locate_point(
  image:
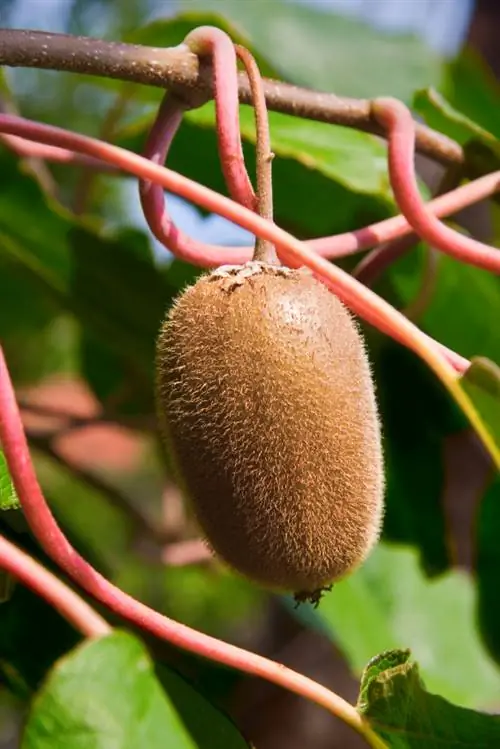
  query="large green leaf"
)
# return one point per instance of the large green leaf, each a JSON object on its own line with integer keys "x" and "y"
{"x": 442, "y": 116}
{"x": 471, "y": 293}
{"x": 328, "y": 51}
{"x": 116, "y": 277}
{"x": 36, "y": 340}
{"x": 388, "y": 603}
{"x": 105, "y": 694}
{"x": 471, "y": 87}
{"x": 401, "y": 710}
{"x": 466, "y": 109}
{"x": 482, "y": 383}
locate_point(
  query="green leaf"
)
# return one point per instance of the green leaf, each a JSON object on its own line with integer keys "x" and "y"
{"x": 481, "y": 382}
{"x": 388, "y": 603}
{"x": 442, "y": 116}
{"x": 329, "y": 51}
{"x": 472, "y": 293}
{"x": 105, "y": 694}
{"x": 35, "y": 339}
{"x": 8, "y": 497}
{"x": 466, "y": 111}
{"x": 121, "y": 298}
{"x": 471, "y": 87}
{"x": 400, "y": 709}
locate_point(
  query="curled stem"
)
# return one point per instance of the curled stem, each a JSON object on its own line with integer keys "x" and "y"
{"x": 341, "y": 245}
{"x": 42, "y": 582}
{"x": 264, "y": 250}
{"x": 154, "y": 203}
{"x": 56, "y": 545}
{"x": 208, "y": 40}
{"x": 396, "y": 117}
{"x": 371, "y": 267}
{"x": 361, "y": 300}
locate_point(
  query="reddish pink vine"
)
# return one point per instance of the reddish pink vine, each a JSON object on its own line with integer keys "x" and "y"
{"x": 401, "y": 130}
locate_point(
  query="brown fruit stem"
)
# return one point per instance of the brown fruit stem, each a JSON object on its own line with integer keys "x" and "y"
{"x": 264, "y": 250}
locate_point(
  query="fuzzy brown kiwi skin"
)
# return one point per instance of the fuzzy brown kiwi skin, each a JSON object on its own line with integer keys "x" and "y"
{"x": 266, "y": 402}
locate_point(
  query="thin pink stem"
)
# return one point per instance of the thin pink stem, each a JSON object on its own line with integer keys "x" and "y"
{"x": 341, "y": 245}
{"x": 396, "y": 117}
{"x": 208, "y": 40}
{"x": 205, "y": 255}
{"x": 459, "y": 363}
{"x": 154, "y": 203}
{"x": 42, "y": 582}
{"x": 55, "y": 544}
{"x": 361, "y": 300}
{"x": 155, "y": 210}
{"x": 371, "y": 267}
{"x": 30, "y": 149}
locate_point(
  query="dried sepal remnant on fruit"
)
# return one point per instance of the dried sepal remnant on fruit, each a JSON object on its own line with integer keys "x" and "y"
{"x": 267, "y": 404}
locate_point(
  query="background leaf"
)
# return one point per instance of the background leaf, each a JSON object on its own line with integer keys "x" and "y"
{"x": 407, "y": 716}
{"x": 388, "y": 603}
{"x": 482, "y": 383}
{"x": 105, "y": 693}
{"x": 327, "y": 51}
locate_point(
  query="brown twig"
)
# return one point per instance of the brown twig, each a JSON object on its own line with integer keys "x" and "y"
{"x": 180, "y": 69}
{"x": 264, "y": 250}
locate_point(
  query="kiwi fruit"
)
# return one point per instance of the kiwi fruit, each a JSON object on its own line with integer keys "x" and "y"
{"x": 267, "y": 406}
